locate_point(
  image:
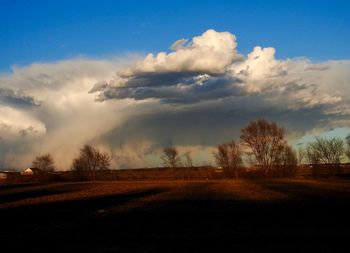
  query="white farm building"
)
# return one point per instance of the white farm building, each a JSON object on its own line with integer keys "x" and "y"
{"x": 29, "y": 172}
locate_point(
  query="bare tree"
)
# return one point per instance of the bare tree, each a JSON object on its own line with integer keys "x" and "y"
{"x": 347, "y": 152}
{"x": 229, "y": 157}
{"x": 44, "y": 163}
{"x": 286, "y": 161}
{"x": 301, "y": 155}
{"x": 263, "y": 141}
{"x": 91, "y": 160}
{"x": 188, "y": 160}
{"x": 312, "y": 156}
{"x": 325, "y": 151}
{"x": 170, "y": 157}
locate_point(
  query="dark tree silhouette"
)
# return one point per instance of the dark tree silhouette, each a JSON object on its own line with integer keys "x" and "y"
{"x": 286, "y": 161}
{"x": 170, "y": 157}
{"x": 91, "y": 160}
{"x": 347, "y": 152}
{"x": 228, "y": 156}
{"x": 301, "y": 155}
{"x": 44, "y": 163}
{"x": 263, "y": 141}
{"x": 325, "y": 151}
{"x": 188, "y": 160}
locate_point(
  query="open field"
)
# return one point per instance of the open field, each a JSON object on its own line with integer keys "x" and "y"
{"x": 284, "y": 215}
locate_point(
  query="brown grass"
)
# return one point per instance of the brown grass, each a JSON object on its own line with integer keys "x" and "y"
{"x": 275, "y": 215}
{"x": 245, "y": 190}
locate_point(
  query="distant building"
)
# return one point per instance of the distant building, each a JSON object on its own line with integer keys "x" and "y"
{"x": 219, "y": 169}
{"x": 8, "y": 175}
{"x": 31, "y": 172}
{"x": 3, "y": 175}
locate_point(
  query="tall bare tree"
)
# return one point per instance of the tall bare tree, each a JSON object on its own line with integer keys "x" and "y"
{"x": 347, "y": 152}
{"x": 91, "y": 160}
{"x": 44, "y": 163}
{"x": 325, "y": 151}
{"x": 263, "y": 141}
{"x": 301, "y": 155}
{"x": 229, "y": 157}
{"x": 188, "y": 160}
{"x": 286, "y": 161}
{"x": 171, "y": 157}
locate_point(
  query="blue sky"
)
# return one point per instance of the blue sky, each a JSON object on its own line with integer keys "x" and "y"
{"x": 34, "y": 30}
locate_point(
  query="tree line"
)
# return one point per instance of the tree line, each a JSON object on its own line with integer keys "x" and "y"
{"x": 263, "y": 143}
{"x": 265, "y": 146}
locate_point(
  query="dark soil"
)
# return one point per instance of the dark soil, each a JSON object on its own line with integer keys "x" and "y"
{"x": 196, "y": 216}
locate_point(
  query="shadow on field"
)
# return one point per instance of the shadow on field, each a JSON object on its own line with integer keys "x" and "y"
{"x": 182, "y": 224}
{"x": 17, "y": 186}
{"x": 36, "y": 190}
{"x": 304, "y": 191}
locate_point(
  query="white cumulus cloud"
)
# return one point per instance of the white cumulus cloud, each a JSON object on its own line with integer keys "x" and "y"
{"x": 210, "y": 52}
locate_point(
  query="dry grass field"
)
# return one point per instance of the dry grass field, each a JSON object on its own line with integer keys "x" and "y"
{"x": 284, "y": 215}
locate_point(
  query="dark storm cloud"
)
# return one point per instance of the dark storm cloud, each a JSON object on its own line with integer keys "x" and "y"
{"x": 212, "y": 123}
{"x": 174, "y": 88}
{"x": 17, "y": 98}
